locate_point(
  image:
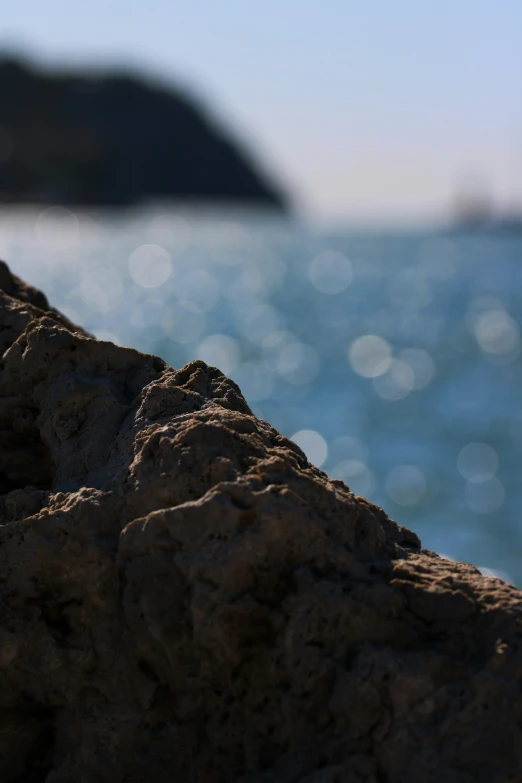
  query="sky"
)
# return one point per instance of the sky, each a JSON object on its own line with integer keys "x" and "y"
{"x": 374, "y": 110}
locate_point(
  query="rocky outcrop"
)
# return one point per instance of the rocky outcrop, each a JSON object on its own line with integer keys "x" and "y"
{"x": 184, "y": 597}
{"x": 114, "y": 139}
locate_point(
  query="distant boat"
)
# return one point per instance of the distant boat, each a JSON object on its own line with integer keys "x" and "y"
{"x": 475, "y": 212}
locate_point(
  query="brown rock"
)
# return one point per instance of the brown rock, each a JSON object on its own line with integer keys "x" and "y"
{"x": 185, "y": 598}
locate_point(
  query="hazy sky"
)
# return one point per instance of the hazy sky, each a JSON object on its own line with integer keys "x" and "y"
{"x": 362, "y": 108}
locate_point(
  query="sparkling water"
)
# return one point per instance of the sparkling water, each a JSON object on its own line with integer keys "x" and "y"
{"x": 392, "y": 359}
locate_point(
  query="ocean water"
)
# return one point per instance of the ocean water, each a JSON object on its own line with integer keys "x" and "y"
{"x": 394, "y": 359}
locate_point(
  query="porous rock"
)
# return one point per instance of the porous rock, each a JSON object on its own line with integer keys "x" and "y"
{"x": 185, "y": 598}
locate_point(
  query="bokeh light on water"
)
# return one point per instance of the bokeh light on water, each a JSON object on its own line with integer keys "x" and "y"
{"x": 478, "y": 462}
{"x": 330, "y": 272}
{"x": 393, "y": 360}
{"x": 370, "y": 356}
{"x": 313, "y": 445}
{"x": 150, "y": 266}
{"x": 406, "y": 485}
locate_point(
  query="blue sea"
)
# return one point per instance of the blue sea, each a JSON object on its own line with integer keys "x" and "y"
{"x": 393, "y": 358}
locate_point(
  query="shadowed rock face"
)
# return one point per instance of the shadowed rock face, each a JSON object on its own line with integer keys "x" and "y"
{"x": 184, "y": 597}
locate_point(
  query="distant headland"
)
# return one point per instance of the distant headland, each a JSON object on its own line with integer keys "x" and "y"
{"x": 114, "y": 139}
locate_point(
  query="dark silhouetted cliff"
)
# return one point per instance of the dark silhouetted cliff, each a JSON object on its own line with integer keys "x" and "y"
{"x": 112, "y": 139}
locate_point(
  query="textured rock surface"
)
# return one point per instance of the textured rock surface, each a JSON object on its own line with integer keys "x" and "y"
{"x": 185, "y": 598}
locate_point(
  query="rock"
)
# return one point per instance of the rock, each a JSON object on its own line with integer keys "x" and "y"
{"x": 185, "y": 598}
{"x": 92, "y": 138}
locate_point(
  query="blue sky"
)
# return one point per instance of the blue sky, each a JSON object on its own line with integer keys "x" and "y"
{"x": 374, "y": 109}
